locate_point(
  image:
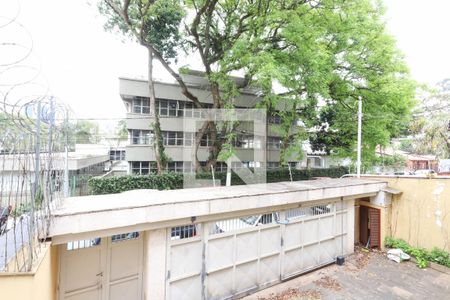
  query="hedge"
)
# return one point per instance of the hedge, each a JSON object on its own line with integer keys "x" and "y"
{"x": 168, "y": 181}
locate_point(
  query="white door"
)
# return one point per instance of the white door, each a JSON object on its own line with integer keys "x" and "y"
{"x": 102, "y": 269}
{"x": 81, "y": 270}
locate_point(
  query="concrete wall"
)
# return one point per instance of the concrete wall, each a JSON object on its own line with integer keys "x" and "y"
{"x": 39, "y": 284}
{"x": 421, "y": 214}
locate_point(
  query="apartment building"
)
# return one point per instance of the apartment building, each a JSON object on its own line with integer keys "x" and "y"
{"x": 172, "y": 107}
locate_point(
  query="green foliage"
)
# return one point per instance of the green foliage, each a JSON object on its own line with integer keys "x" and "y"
{"x": 86, "y": 132}
{"x": 154, "y": 23}
{"x": 167, "y": 181}
{"x": 440, "y": 256}
{"x": 421, "y": 255}
{"x": 21, "y": 209}
{"x": 430, "y": 127}
{"x": 395, "y": 161}
{"x": 113, "y": 185}
{"x": 121, "y": 130}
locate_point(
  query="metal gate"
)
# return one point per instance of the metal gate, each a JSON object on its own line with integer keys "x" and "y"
{"x": 102, "y": 268}
{"x": 227, "y": 258}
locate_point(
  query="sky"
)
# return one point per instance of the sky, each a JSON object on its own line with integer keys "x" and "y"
{"x": 80, "y": 63}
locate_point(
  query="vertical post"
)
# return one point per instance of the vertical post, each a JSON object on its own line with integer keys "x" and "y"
{"x": 37, "y": 171}
{"x": 358, "y": 163}
{"x": 213, "y": 177}
{"x": 228, "y": 180}
{"x": 66, "y": 157}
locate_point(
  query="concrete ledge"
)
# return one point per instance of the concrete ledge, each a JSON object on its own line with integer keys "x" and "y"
{"x": 149, "y": 209}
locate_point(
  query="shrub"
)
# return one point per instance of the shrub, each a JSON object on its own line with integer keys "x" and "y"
{"x": 440, "y": 256}
{"x": 167, "y": 181}
{"x": 421, "y": 255}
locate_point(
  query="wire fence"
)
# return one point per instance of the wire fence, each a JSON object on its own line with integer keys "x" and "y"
{"x": 32, "y": 143}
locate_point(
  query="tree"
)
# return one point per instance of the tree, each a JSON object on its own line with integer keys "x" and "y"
{"x": 86, "y": 132}
{"x": 324, "y": 54}
{"x": 154, "y": 24}
{"x": 431, "y": 124}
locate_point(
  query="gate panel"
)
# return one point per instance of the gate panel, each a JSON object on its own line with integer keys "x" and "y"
{"x": 125, "y": 255}
{"x": 81, "y": 270}
{"x": 184, "y": 260}
{"x": 237, "y": 255}
{"x": 102, "y": 269}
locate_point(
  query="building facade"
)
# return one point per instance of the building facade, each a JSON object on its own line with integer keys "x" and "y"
{"x": 172, "y": 107}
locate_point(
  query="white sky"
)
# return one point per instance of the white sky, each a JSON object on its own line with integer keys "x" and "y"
{"x": 81, "y": 62}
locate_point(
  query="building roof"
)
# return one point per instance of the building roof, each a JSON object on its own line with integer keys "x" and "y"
{"x": 80, "y": 215}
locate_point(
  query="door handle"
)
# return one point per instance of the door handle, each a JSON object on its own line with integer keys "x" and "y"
{"x": 99, "y": 274}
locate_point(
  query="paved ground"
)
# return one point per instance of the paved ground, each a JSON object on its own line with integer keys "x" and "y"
{"x": 364, "y": 276}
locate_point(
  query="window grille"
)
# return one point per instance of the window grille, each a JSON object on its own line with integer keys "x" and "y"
{"x": 303, "y": 212}
{"x": 184, "y": 232}
{"x": 81, "y": 244}
{"x": 234, "y": 224}
{"x": 124, "y": 236}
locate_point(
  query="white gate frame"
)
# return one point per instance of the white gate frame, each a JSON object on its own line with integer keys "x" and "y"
{"x": 338, "y": 236}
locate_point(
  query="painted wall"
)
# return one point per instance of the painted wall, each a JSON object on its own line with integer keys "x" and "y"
{"x": 40, "y": 284}
{"x": 421, "y": 214}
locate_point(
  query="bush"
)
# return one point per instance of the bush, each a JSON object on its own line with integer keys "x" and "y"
{"x": 440, "y": 256}
{"x": 168, "y": 181}
{"x": 114, "y": 185}
{"x": 421, "y": 255}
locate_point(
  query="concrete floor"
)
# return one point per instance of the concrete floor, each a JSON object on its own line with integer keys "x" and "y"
{"x": 364, "y": 276}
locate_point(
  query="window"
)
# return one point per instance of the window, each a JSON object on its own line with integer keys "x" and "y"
{"x": 245, "y": 164}
{"x": 172, "y": 138}
{"x": 169, "y": 108}
{"x": 141, "y": 137}
{"x": 273, "y": 143}
{"x": 188, "y": 109}
{"x": 143, "y": 167}
{"x": 117, "y": 154}
{"x": 273, "y": 165}
{"x": 292, "y": 164}
{"x": 124, "y": 236}
{"x": 188, "y": 167}
{"x": 314, "y": 162}
{"x": 75, "y": 245}
{"x": 189, "y": 139}
{"x": 274, "y": 119}
{"x": 206, "y": 141}
{"x": 221, "y": 166}
{"x": 175, "y": 166}
{"x": 248, "y": 142}
{"x": 183, "y": 232}
{"x": 141, "y": 105}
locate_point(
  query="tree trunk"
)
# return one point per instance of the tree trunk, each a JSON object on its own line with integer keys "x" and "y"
{"x": 157, "y": 143}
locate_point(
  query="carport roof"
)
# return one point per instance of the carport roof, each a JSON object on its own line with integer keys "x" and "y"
{"x": 85, "y": 214}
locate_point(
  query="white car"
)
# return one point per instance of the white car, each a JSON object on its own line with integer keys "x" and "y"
{"x": 424, "y": 172}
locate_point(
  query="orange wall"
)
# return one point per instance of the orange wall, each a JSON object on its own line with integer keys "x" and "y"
{"x": 421, "y": 214}
{"x": 39, "y": 284}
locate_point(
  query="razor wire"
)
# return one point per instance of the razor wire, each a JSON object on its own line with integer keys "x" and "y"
{"x": 33, "y": 136}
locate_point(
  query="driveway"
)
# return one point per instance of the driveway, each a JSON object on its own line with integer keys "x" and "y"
{"x": 363, "y": 276}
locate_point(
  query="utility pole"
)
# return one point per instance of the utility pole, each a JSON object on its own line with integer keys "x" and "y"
{"x": 66, "y": 156}
{"x": 358, "y": 163}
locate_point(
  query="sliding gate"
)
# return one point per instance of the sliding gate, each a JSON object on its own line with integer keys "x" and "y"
{"x": 228, "y": 258}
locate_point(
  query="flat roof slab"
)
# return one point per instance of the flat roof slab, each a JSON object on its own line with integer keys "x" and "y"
{"x": 79, "y": 215}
